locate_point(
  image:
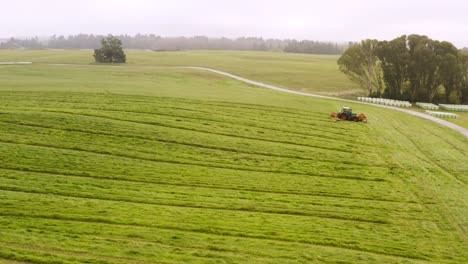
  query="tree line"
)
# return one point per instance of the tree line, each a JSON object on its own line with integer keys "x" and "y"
{"x": 154, "y": 42}
{"x": 314, "y": 47}
{"x": 414, "y": 68}
{"x": 12, "y": 43}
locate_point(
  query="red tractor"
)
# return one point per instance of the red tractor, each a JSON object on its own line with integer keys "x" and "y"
{"x": 346, "y": 114}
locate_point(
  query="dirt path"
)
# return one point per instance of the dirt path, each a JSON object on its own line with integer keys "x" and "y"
{"x": 442, "y": 122}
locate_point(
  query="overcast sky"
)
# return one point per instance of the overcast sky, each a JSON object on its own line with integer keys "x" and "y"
{"x": 328, "y": 20}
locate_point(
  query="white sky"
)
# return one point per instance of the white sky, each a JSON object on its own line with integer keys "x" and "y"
{"x": 329, "y": 20}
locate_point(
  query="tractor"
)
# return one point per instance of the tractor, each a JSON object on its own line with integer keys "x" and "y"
{"x": 346, "y": 114}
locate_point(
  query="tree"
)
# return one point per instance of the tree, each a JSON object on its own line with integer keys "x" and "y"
{"x": 394, "y": 59}
{"x": 13, "y": 43}
{"x": 451, "y": 70}
{"x": 423, "y": 68}
{"x": 463, "y": 60}
{"x": 313, "y": 47}
{"x": 411, "y": 67}
{"x": 361, "y": 65}
{"x": 432, "y": 64}
{"x": 111, "y": 51}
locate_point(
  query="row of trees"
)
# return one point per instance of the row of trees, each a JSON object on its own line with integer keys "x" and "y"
{"x": 13, "y": 43}
{"x": 314, "y": 47}
{"x": 414, "y": 68}
{"x": 153, "y": 42}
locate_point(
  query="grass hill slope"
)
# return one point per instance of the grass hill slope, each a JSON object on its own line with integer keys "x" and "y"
{"x": 303, "y": 72}
{"x": 120, "y": 165}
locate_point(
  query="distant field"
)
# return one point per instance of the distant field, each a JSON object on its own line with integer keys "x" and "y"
{"x": 122, "y": 165}
{"x": 310, "y": 73}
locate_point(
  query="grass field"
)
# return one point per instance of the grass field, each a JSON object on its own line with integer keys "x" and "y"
{"x": 125, "y": 165}
{"x": 310, "y": 73}
{"x": 462, "y": 119}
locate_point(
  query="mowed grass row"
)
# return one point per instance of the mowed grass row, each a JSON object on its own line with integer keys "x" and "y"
{"x": 159, "y": 171}
{"x": 209, "y": 170}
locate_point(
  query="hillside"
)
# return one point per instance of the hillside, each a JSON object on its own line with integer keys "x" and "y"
{"x": 310, "y": 73}
{"x": 125, "y": 165}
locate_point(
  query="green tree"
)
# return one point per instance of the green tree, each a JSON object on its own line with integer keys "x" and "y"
{"x": 111, "y": 51}
{"x": 411, "y": 67}
{"x": 423, "y": 68}
{"x": 432, "y": 64}
{"x": 463, "y": 62}
{"x": 394, "y": 60}
{"x": 361, "y": 65}
{"x": 451, "y": 71}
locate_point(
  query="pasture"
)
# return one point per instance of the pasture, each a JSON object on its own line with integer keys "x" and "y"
{"x": 139, "y": 165}
{"x": 302, "y": 72}
{"x": 308, "y": 73}
{"x": 462, "y": 119}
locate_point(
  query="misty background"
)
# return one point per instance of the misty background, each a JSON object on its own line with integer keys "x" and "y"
{"x": 332, "y": 21}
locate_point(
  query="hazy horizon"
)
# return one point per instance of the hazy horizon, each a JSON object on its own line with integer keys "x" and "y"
{"x": 334, "y": 21}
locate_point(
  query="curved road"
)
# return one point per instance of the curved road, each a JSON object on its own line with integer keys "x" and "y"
{"x": 453, "y": 126}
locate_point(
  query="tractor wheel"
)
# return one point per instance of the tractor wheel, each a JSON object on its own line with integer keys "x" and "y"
{"x": 344, "y": 117}
{"x": 355, "y": 118}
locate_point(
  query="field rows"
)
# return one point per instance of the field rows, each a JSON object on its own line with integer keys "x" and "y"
{"x": 129, "y": 179}
{"x": 164, "y": 244}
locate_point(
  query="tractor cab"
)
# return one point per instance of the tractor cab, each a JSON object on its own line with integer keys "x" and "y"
{"x": 346, "y": 109}
{"x": 346, "y": 114}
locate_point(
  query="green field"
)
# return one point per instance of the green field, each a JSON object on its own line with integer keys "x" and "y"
{"x": 310, "y": 73}
{"x": 462, "y": 119}
{"x": 137, "y": 165}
